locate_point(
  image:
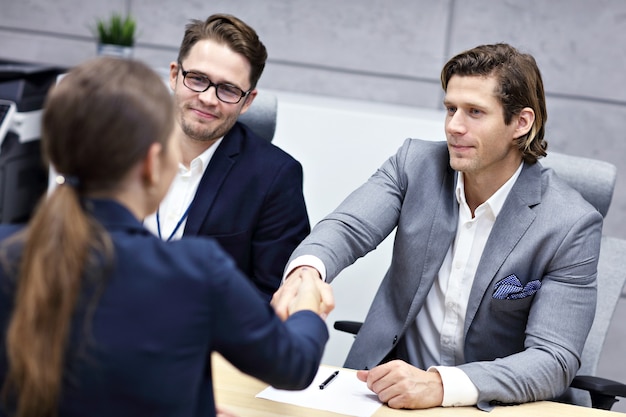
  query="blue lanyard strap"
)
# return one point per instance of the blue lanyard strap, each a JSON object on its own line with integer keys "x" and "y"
{"x": 182, "y": 219}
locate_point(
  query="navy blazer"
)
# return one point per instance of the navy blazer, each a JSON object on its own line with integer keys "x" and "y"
{"x": 250, "y": 200}
{"x": 164, "y": 308}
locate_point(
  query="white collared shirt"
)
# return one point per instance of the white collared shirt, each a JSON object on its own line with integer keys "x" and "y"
{"x": 173, "y": 208}
{"x": 441, "y": 321}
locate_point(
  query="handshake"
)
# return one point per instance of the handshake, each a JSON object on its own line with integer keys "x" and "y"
{"x": 303, "y": 289}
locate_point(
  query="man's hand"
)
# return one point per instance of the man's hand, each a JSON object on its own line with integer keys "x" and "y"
{"x": 401, "y": 385}
{"x": 301, "y": 282}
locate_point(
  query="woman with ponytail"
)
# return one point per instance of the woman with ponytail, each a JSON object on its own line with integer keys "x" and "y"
{"x": 98, "y": 316}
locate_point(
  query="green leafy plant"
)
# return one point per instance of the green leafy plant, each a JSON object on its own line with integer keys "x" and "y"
{"x": 116, "y": 30}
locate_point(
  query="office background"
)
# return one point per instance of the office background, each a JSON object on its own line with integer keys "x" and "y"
{"x": 387, "y": 52}
{"x": 381, "y": 50}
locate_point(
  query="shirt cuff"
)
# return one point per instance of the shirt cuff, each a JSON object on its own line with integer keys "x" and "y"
{"x": 307, "y": 260}
{"x": 458, "y": 389}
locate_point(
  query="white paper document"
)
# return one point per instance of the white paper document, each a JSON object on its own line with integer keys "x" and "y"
{"x": 344, "y": 395}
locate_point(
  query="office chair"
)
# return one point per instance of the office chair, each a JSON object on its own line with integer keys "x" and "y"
{"x": 611, "y": 278}
{"x": 261, "y": 116}
{"x": 595, "y": 181}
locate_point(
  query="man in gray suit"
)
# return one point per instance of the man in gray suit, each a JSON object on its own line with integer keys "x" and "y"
{"x": 491, "y": 289}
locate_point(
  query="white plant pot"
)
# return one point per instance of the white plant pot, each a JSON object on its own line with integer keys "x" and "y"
{"x": 115, "y": 50}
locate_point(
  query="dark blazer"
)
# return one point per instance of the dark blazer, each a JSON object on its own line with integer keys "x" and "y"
{"x": 164, "y": 308}
{"x": 516, "y": 350}
{"x": 250, "y": 200}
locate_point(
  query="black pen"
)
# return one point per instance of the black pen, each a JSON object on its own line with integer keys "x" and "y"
{"x": 329, "y": 380}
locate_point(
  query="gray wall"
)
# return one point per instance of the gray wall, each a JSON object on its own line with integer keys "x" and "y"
{"x": 388, "y": 51}
{"x": 381, "y": 50}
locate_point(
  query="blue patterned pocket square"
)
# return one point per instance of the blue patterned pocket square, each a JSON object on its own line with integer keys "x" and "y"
{"x": 510, "y": 288}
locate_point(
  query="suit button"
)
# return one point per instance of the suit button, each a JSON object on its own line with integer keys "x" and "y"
{"x": 395, "y": 339}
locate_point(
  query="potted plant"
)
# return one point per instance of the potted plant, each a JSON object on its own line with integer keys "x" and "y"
{"x": 116, "y": 35}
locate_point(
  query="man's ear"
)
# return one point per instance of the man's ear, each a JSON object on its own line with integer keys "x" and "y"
{"x": 249, "y": 99}
{"x": 525, "y": 121}
{"x": 151, "y": 170}
{"x": 173, "y": 75}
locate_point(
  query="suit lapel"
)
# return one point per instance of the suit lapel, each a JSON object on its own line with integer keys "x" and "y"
{"x": 512, "y": 223}
{"x": 440, "y": 237}
{"x": 215, "y": 174}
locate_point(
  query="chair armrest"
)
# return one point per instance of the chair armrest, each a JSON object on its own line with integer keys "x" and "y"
{"x": 351, "y": 327}
{"x": 602, "y": 391}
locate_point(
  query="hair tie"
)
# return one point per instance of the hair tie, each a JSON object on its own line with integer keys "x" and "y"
{"x": 70, "y": 180}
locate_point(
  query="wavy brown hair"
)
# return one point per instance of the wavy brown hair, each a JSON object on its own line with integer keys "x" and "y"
{"x": 98, "y": 123}
{"x": 520, "y": 86}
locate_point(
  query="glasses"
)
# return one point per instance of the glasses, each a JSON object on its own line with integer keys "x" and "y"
{"x": 200, "y": 83}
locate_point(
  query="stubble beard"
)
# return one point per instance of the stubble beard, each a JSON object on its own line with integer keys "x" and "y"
{"x": 197, "y": 134}
{"x": 468, "y": 165}
{"x": 200, "y": 133}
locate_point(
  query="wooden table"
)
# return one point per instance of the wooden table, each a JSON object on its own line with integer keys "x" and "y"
{"x": 236, "y": 391}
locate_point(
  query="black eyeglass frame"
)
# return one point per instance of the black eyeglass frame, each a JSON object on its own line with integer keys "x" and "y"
{"x": 217, "y": 86}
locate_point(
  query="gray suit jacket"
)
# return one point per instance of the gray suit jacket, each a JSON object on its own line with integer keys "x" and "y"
{"x": 515, "y": 350}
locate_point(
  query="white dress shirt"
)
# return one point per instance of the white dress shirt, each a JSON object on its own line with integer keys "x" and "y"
{"x": 172, "y": 211}
{"x": 440, "y": 340}
{"x": 439, "y": 325}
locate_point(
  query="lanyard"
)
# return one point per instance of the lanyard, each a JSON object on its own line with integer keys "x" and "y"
{"x": 182, "y": 219}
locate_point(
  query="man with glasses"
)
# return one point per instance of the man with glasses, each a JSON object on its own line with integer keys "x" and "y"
{"x": 231, "y": 185}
